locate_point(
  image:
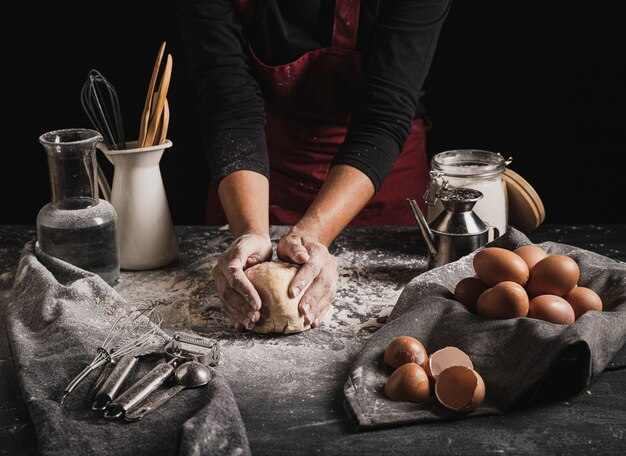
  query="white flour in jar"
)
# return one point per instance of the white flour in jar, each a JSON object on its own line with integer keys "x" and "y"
{"x": 492, "y": 208}
{"x": 478, "y": 170}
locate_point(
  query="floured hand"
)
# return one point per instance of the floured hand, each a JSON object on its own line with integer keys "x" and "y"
{"x": 239, "y": 298}
{"x": 319, "y": 269}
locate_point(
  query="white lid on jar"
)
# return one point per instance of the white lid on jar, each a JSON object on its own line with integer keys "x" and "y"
{"x": 469, "y": 163}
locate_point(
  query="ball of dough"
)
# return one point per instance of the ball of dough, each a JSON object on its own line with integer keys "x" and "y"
{"x": 279, "y": 312}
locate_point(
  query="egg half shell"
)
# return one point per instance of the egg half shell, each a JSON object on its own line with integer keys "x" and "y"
{"x": 460, "y": 388}
{"x": 443, "y": 359}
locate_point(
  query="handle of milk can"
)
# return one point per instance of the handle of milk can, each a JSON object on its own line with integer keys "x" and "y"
{"x": 496, "y": 232}
{"x": 103, "y": 182}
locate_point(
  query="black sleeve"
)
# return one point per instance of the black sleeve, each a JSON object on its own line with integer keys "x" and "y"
{"x": 229, "y": 97}
{"x": 402, "y": 46}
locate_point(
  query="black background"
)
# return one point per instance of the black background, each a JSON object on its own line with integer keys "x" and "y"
{"x": 540, "y": 81}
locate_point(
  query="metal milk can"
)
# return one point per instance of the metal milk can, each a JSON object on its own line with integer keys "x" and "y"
{"x": 455, "y": 232}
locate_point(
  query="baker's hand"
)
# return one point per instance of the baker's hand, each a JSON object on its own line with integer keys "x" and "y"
{"x": 240, "y": 300}
{"x": 319, "y": 268}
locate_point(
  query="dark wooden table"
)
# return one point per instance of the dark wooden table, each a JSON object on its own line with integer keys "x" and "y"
{"x": 289, "y": 388}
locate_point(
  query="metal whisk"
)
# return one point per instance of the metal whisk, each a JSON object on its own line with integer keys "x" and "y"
{"x": 100, "y": 102}
{"x": 129, "y": 333}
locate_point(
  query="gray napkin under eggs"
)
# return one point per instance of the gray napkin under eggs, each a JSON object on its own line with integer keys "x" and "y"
{"x": 520, "y": 359}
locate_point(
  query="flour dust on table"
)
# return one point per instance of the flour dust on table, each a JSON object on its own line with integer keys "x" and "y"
{"x": 367, "y": 292}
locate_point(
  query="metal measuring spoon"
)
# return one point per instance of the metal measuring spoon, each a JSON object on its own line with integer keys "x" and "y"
{"x": 188, "y": 375}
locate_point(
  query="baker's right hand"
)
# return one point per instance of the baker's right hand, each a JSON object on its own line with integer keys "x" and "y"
{"x": 240, "y": 300}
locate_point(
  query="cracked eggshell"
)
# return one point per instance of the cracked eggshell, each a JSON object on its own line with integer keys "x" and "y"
{"x": 404, "y": 349}
{"x": 408, "y": 383}
{"x": 460, "y": 388}
{"x": 445, "y": 358}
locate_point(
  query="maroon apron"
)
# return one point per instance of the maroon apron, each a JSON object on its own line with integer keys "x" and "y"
{"x": 307, "y": 107}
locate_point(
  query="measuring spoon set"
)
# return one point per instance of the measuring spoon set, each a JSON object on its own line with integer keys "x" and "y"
{"x": 187, "y": 358}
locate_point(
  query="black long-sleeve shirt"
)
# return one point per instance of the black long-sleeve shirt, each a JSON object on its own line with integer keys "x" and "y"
{"x": 397, "y": 39}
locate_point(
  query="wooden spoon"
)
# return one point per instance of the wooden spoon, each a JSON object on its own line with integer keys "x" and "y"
{"x": 161, "y": 131}
{"x": 147, "y": 107}
{"x": 164, "y": 123}
{"x": 155, "y": 97}
{"x": 160, "y": 102}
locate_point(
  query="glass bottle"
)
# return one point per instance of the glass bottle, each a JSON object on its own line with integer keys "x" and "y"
{"x": 477, "y": 169}
{"x": 76, "y": 226}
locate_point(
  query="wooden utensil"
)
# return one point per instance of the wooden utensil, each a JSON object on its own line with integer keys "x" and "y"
{"x": 160, "y": 102}
{"x": 147, "y": 108}
{"x": 161, "y": 133}
{"x": 165, "y": 120}
{"x": 155, "y": 97}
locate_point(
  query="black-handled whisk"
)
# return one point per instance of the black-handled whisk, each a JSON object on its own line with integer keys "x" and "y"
{"x": 100, "y": 102}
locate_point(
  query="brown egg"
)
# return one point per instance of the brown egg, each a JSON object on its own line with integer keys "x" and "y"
{"x": 468, "y": 290}
{"x": 445, "y": 358}
{"x": 583, "y": 299}
{"x": 460, "y": 388}
{"x": 494, "y": 265}
{"x": 404, "y": 349}
{"x": 551, "y": 308}
{"x": 408, "y": 383}
{"x": 554, "y": 275}
{"x": 505, "y": 300}
{"x": 480, "y": 302}
{"x": 531, "y": 254}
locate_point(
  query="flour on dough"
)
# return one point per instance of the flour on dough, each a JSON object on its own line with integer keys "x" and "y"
{"x": 279, "y": 312}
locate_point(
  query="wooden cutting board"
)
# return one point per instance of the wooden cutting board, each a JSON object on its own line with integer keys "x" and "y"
{"x": 526, "y": 210}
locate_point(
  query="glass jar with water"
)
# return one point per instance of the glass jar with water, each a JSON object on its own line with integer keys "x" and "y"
{"x": 77, "y": 226}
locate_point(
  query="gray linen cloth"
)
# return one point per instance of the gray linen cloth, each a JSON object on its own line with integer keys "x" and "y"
{"x": 57, "y": 318}
{"x": 521, "y": 360}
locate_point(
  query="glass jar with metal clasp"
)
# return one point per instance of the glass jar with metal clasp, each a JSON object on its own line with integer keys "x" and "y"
{"x": 470, "y": 168}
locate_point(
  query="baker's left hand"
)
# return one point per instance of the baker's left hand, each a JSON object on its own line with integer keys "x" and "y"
{"x": 319, "y": 268}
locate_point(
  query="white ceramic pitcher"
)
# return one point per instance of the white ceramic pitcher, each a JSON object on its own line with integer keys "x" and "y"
{"x": 146, "y": 232}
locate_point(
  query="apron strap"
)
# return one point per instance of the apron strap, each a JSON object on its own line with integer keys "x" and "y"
{"x": 346, "y": 25}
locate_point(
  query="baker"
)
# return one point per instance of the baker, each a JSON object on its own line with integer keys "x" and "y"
{"x": 311, "y": 117}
